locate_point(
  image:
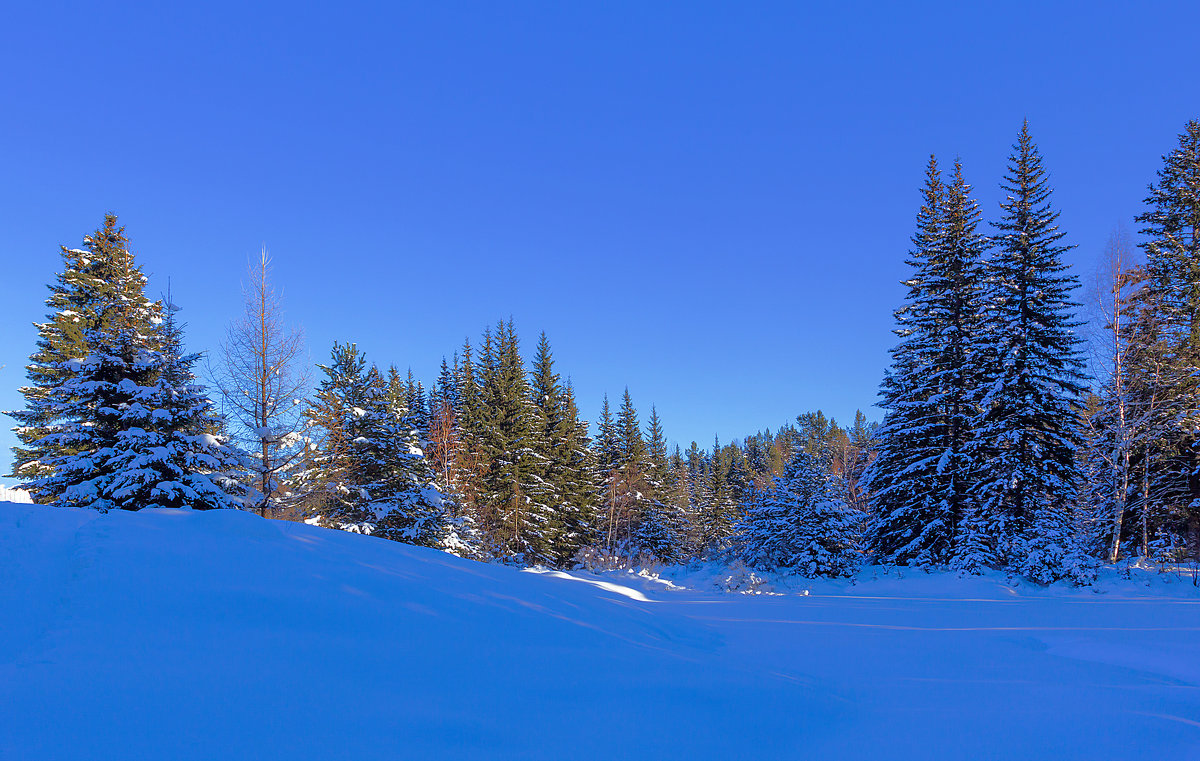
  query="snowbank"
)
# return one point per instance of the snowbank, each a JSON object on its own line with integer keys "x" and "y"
{"x": 200, "y": 635}
{"x": 20, "y": 496}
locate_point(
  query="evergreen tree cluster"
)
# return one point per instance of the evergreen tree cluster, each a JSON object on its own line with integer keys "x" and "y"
{"x": 994, "y": 453}
{"x": 977, "y": 463}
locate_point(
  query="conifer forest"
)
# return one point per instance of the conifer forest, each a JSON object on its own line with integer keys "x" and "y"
{"x": 600, "y": 381}
{"x": 1014, "y": 430}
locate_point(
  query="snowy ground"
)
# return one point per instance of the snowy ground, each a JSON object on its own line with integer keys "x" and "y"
{"x": 14, "y": 495}
{"x": 206, "y": 635}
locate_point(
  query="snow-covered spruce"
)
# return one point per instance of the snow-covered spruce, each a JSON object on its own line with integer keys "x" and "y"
{"x": 923, "y": 476}
{"x": 365, "y": 470}
{"x": 1028, "y": 426}
{"x": 800, "y": 524}
{"x": 124, "y": 424}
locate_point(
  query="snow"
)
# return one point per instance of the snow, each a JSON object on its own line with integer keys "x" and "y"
{"x": 216, "y": 634}
{"x": 14, "y": 495}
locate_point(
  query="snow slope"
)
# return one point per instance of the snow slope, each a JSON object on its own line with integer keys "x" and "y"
{"x": 14, "y": 495}
{"x": 203, "y": 635}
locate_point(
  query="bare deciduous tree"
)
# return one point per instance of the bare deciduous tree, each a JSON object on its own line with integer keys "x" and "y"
{"x": 262, "y": 378}
{"x": 1111, "y": 289}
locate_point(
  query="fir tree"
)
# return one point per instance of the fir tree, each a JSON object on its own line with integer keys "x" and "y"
{"x": 92, "y": 451}
{"x": 1029, "y": 422}
{"x": 923, "y": 475}
{"x": 172, "y": 451}
{"x": 77, "y": 300}
{"x": 800, "y": 524}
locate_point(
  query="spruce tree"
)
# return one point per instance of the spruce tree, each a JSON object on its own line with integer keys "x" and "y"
{"x": 579, "y": 482}
{"x": 656, "y": 452}
{"x": 509, "y": 432}
{"x": 559, "y": 448}
{"x": 129, "y": 426}
{"x": 366, "y": 471}
{"x": 1029, "y": 425}
{"x": 720, "y": 511}
{"x": 959, "y": 370}
{"x": 800, "y": 524}
{"x": 660, "y": 529}
{"x": 606, "y": 444}
{"x": 922, "y": 478}
{"x": 340, "y": 467}
{"x": 172, "y": 451}
{"x": 77, "y": 300}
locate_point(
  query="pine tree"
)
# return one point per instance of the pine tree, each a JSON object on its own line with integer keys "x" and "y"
{"x": 800, "y": 524}
{"x": 1029, "y": 421}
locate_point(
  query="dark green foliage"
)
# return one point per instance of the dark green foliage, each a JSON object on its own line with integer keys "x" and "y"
{"x": 365, "y": 470}
{"x": 1029, "y": 428}
{"x": 800, "y": 523}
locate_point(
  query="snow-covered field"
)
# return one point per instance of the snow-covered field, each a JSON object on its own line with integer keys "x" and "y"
{"x": 218, "y": 635}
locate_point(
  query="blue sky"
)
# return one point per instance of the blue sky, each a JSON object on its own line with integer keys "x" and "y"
{"x": 707, "y": 202}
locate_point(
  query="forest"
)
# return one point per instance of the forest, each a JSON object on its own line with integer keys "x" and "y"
{"x": 1017, "y": 430}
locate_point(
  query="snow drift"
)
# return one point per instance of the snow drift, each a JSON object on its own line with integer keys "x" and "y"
{"x": 200, "y": 635}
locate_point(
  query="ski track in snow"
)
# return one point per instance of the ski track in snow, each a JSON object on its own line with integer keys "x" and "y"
{"x": 202, "y": 635}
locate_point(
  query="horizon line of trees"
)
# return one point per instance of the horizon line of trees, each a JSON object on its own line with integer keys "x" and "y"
{"x": 997, "y": 450}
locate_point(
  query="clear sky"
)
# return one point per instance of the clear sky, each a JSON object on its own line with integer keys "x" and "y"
{"x": 707, "y": 202}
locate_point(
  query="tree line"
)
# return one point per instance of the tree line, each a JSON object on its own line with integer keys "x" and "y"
{"x": 997, "y": 449}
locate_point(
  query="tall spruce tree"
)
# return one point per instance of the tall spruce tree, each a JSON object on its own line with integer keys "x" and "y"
{"x": 509, "y": 434}
{"x": 911, "y": 524}
{"x": 579, "y": 483}
{"x": 959, "y": 368}
{"x": 1029, "y": 425}
{"x": 564, "y": 472}
{"x": 660, "y": 529}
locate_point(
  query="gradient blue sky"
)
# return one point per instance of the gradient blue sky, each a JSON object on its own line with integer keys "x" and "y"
{"x": 707, "y": 202}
